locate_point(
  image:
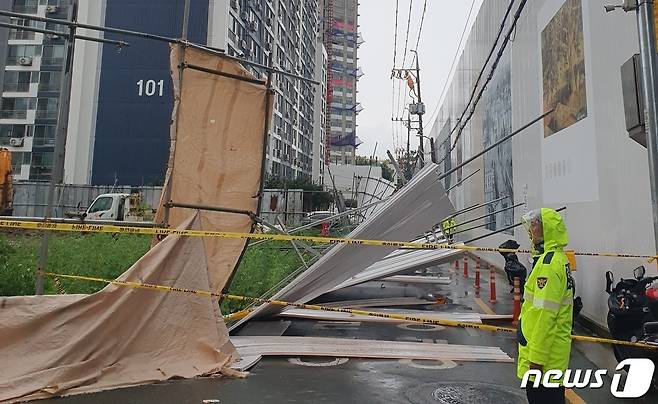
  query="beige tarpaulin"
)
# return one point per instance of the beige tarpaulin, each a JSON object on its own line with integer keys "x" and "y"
{"x": 118, "y": 337}
{"x": 217, "y": 144}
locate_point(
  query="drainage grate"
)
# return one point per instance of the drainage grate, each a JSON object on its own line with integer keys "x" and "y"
{"x": 465, "y": 393}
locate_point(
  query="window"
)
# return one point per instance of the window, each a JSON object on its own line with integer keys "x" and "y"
{"x": 9, "y": 131}
{"x": 50, "y": 81}
{"x": 44, "y": 135}
{"x": 16, "y": 81}
{"x": 47, "y": 108}
{"x": 42, "y": 163}
{"x": 16, "y": 108}
{"x": 19, "y": 52}
{"x": 53, "y": 55}
{"x": 18, "y": 159}
{"x": 101, "y": 205}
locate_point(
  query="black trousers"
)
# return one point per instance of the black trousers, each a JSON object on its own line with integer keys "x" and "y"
{"x": 543, "y": 395}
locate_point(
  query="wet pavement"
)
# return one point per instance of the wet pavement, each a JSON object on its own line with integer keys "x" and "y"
{"x": 343, "y": 380}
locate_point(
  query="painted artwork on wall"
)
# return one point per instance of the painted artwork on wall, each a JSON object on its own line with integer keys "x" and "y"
{"x": 496, "y": 124}
{"x": 563, "y": 68}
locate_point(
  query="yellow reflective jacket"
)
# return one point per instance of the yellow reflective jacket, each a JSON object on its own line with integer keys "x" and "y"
{"x": 448, "y": 226}
{"x": 544, "y": 327}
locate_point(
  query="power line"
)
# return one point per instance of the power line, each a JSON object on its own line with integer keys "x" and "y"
{"x": 453, "y": 64}
{"x": 406, "y": 40}
{"x": 395, "y": 40}
{"x": 420, "y": 29}
{"x": 517, "y": 15}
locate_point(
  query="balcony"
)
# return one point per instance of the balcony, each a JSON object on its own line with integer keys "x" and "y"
{"x": 13, "y": 114}
{"x": 46, "y": 114}
{"x": 34, "y": 9}
{"x": 22, "y": 35}
{"x": 16, "y": 87}
{"x": 53, "y": 62}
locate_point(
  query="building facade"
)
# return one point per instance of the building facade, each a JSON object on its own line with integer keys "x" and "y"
{"x": 283, "y": 34}
{"x": 342, "y": 40}
{"x": 121, "y": 100}
{"x": 31, "y": 80}
{"x": 563, "y": 56}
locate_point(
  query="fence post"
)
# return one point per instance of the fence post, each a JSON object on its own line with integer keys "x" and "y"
{"x": 477, "y": 274}
{"x": 465, "y": 266}
{"x": 492, "y": 284}
{"x": 517, "y": 300}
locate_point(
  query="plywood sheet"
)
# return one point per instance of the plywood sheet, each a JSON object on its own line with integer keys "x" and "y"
{"x": 339, "y": 347}
{"x": 438, "y": 280}
{"x": 336, "y": 316}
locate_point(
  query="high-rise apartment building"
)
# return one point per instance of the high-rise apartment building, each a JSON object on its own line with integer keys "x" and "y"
{"x": 283, "y": 34}
{"x": 121, "y": 100}
{"x": 342, "y": 39}
{"x": 31, "y": 75}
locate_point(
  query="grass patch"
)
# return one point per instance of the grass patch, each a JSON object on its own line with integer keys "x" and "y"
{"x": 108, "y": 256}
{"x": 102, "y": 255}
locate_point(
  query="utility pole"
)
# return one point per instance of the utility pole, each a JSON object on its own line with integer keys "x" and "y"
{"x": 57, "y": 173}
{"x": 419, "y": 110}
{"x": 647, "y": 38}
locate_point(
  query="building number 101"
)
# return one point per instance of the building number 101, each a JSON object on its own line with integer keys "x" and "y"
{"x": 149, "y": 88}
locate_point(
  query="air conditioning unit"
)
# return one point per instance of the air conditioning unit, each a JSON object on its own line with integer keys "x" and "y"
{"x": 252, "y": 26}
{"x": 16, "y": 141}
{"x": 234, "y": 4}
{"x": 243, "y": 44}
{"x": 268, "y": 21}
{"x": 52, "y": 36}
{"x": 268, "y": 46}
{"x": 51, "y": 9}
{"x": 244, "y": 16}
{"x": 25, "y": 61}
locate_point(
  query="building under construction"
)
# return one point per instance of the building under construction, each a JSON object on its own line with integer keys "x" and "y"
{"x": 342, "y": 40}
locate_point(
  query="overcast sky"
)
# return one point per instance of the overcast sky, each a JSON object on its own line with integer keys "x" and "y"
{"x": 444, "y": 23}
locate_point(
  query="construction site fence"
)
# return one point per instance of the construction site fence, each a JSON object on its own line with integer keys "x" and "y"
{"x": 30, "y": 200}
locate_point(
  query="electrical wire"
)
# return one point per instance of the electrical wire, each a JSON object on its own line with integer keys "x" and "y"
{"x": 452, "y": 66}
{"x": 472, "y": 107}
{"x": 406, "y": 39}
{"x": 420, "y": 29}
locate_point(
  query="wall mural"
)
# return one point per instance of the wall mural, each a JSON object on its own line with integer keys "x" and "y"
{"x": 496, "y": 124}
{"x": 563, "y": 68}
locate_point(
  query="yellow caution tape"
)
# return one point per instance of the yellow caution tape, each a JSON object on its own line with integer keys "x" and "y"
{"x": 403, "y": 317}
{"x": 104, "y": 228}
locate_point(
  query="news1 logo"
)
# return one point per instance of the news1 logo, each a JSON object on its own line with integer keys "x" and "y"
{"x": 638, "y": 380}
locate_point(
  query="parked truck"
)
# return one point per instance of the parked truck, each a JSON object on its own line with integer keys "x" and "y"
{"x": 6, "y": 189}
{"x": 119, "y": 207}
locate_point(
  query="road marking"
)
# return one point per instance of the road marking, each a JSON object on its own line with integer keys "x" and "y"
{"x": 485, "y": 307}
{"x": 573, "y": 398}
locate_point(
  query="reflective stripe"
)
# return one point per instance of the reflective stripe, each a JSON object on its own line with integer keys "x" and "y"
{"x": 528, "y": 296}
{"x": 546, "y": 304}
{"x": 567, "y": 301}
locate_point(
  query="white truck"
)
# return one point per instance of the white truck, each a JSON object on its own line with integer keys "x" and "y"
{"x": 119, "y": 207}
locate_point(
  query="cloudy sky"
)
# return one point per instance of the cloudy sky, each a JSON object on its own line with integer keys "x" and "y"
{"x": 442, "y": 28}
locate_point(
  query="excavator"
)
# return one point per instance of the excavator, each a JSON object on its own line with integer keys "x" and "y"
{"x": 6, "y": 191}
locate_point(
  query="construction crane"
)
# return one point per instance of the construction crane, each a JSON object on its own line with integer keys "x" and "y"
{"x": 6, "y": 189}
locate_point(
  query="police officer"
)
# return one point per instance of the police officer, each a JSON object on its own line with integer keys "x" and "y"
{"x": 544, "y": 327}
{"x": 448, "y": 228}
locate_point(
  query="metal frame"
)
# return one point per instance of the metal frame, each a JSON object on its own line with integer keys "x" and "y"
{"x": 186, "y": 65}
{"x": 185, "y": 42}
{"x": 120, "y": 44}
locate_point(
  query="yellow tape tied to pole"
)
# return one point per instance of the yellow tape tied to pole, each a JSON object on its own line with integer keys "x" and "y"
{"x": 104, "y": 228}
{"x": 422, "y": 320}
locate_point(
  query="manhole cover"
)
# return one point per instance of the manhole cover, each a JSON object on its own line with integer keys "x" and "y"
{"x": 465, "y": 393}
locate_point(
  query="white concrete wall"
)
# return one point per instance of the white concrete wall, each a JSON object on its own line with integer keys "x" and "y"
{"x": 84, "y": 97}
{"x": 603, "y": 175}
{"x": 218, "y": 23}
